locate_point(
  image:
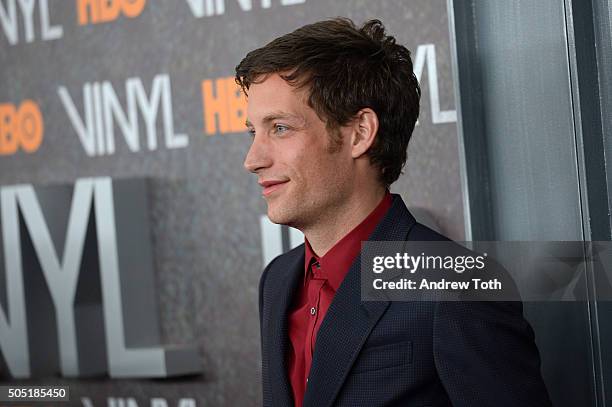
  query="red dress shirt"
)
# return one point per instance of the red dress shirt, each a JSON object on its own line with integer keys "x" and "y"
{"x": 322, "y": 277}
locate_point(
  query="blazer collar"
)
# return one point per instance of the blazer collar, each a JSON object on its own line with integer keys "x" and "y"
{"x": 344, "y": 330}
{"x": 348, "y": 321}
{"x": 274, "y": 352}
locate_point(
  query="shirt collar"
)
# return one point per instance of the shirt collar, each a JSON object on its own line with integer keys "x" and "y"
{"x": 337, "y": 261}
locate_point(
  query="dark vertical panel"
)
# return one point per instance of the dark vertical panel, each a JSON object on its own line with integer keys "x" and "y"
{"x": 590, "y": 158}
{"x": 473, "y": 140}
{"x": 520, "y": 154}
{"x": 602, "y": 13}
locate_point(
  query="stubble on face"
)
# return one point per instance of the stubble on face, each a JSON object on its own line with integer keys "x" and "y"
{"x": 311, "y": 156}
{"x": 318, "y": 186}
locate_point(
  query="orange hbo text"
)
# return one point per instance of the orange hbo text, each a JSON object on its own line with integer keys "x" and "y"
{"x": 20, "y": 127}
{"x": 103, "y": 11}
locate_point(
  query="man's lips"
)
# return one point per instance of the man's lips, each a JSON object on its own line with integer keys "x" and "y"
{"x": 271, "y": 186}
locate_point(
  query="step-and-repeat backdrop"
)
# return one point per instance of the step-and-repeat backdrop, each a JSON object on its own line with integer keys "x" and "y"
{"x": 131, "y": 237}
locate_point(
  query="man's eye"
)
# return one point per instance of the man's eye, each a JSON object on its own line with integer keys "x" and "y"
{"x": 280, "y": 128}
{"x": 251, "y": 132}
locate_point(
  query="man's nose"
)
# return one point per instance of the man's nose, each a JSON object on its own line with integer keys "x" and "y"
{"x": 258, "y": 157}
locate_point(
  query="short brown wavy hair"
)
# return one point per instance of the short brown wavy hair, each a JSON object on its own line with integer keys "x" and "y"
{"x": 346, "y": 69}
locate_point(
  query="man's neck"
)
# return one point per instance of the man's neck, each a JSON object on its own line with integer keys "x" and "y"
{"x": 323, "y": 236}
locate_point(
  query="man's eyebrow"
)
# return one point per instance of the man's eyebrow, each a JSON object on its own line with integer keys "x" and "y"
{"x": 276, "y": 116}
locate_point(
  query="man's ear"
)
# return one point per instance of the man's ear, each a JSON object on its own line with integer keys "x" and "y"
{"x": 365, "y": 129}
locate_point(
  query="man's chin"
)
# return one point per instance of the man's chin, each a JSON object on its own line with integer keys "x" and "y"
{"x": 275, "y": 218}
{"x": 277, "y": 215}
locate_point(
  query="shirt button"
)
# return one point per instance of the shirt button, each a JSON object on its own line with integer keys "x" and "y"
{"x": 313, "y": 311}
{"x": 306, "y": 380}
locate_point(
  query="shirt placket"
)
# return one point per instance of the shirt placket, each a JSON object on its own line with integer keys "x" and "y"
{"x": 314, "y": 302}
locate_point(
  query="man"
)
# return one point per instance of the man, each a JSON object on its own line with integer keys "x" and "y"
{"x": 331, "y": 108}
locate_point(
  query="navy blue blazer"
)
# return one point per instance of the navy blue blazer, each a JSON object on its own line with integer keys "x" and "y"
{"x": 381, "y": 353}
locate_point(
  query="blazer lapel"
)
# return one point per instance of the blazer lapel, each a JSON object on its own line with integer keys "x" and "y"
{"x": 348, "y": 321}
{"x": 277, "y": 314}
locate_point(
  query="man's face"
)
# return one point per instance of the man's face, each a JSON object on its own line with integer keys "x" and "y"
{"x": 303, "y": 180}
